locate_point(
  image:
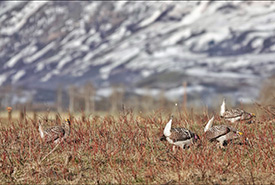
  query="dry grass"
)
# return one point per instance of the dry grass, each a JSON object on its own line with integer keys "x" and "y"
{"x": 125, "y": 149}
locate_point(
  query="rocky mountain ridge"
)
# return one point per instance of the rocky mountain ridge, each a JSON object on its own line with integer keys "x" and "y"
{"x": 216, "y": 47}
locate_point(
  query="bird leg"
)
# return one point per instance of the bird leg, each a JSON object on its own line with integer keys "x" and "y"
{"x": 220, "y": 145}
{"x": 247, "y": 142}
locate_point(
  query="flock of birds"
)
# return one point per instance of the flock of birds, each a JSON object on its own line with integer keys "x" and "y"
{"x": 181, "y": 137}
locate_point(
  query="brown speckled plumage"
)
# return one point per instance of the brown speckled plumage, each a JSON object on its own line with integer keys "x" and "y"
{"x": 55, "y": 133}
{"x": 220, "y": 133}
{"x": 221, "y": 130}
{"x": 180, "y": 136}
{"x": 235, "y": 115}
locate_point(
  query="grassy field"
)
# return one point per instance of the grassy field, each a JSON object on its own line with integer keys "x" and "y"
{"x": 125, "y": 149}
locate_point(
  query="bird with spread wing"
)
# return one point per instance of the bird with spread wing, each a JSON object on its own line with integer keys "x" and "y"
{"x": 221, "y": 133}
{"x": 181, "y": 137}
{"x": 235, "y": 115}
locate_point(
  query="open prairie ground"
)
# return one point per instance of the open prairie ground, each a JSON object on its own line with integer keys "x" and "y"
{"x": 125, "y": 149}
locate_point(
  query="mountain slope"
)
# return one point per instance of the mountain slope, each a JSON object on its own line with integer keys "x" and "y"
{"x": 217, "y": 47}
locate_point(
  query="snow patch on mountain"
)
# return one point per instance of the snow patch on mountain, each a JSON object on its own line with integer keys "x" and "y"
{"x": 3, "y": 78}
{"x": 40, "y": 53}
{"x": 21, "y": 18}
{"x": 217, "y": 47}
{"x": 17, "y": 76}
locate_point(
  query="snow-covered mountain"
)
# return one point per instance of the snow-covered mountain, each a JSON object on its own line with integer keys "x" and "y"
{"x": 217, "y": 47}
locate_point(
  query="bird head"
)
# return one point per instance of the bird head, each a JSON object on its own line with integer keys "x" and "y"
{"x": 253, "y": 115}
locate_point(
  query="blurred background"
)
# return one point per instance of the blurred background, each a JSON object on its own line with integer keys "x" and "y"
{"x": 104, "y": 56}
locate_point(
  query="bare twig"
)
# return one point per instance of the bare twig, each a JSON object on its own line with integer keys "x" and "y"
{"x": 50, "y": 152}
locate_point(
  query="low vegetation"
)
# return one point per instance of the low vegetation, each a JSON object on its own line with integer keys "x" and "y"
{"x": 126, "y": 149}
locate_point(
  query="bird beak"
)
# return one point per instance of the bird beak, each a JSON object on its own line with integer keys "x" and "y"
{"x": 248, "y": 142}
{"x": 253, "y": 114}
{"x": 240, "y": 133}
